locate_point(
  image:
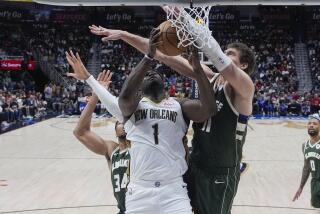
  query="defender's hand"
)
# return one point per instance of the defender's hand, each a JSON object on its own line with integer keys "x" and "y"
{"x": 109, "y": 34}
{"x": 104, "y": 78}
{"x": 194, "y": 60}
{"x": 154, "y": 36}
{"x": 80, "y": 72}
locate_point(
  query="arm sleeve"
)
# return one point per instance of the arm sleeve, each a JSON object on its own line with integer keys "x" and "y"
{"x": 210, "y": 48}
{"x": 107, "y": 99}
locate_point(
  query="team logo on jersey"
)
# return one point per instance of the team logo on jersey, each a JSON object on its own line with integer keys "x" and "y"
{"x": 312, "y": 155}
{"x": 167, "y": 103}
{"x": 317, "y": 146}
{"x": 120, "y": 163}
{"x": 219, "y": 105}
{"x": 164, "y": 114}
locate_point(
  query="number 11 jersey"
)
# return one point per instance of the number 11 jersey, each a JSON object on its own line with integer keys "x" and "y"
{"x": 156, "y": 131}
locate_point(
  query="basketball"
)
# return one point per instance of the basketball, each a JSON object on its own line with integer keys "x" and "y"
{"x": 169, "y": 40}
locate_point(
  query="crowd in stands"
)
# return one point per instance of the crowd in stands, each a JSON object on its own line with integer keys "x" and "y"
{"x": 119, "y": 58}
{"x": 52, "y": 41}
{"x": 21, "y": 104}
{"x": 314, "y": 55}
{"x": 313, "y": 45}
{"x": 12, "y": 40}
{"x": 275, "y": 78}
{"x": 18, "y": 99}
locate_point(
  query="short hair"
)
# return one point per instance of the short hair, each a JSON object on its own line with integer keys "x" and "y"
{"x": 246, "y": 56}
{"x": 314, "y": 116}
{"x": 161, "y": 74}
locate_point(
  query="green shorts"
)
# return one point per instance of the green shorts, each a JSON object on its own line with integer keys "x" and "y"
{"x": 315, "y": 193}
{"x": 212, "y": 194}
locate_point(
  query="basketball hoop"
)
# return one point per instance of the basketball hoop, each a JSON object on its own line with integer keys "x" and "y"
{"x": 186, "y": 18}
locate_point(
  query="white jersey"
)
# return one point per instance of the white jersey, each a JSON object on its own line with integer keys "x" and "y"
{"x": 156, "y": 131}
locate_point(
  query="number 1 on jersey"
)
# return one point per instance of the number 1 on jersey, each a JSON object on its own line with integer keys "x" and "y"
{"x": 156, "y": 133}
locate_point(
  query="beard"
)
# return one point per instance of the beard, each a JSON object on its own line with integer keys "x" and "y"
{"x": 153, "y": 88}
{"x": 313, "y": 132}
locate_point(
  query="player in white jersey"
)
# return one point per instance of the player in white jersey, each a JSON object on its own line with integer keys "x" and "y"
{"x": 155, "y": 126}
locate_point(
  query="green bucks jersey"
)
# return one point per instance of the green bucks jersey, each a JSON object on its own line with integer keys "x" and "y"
{"x": 217, "y": 143}
{"x": 119, "y": 176}
{"x": 312, "y": 155}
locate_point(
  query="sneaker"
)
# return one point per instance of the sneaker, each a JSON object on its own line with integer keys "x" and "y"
{"x": 243, "y": 167}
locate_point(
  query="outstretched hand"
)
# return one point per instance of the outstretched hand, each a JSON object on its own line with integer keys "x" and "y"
{"x": 153, "y": 41}
{"x": 194, "y": 60}
{"x": 167, "y": 9}
{"x": 104, "y": 78}
{"x": 109, "y": 34}
{"x": 80, "y": 72}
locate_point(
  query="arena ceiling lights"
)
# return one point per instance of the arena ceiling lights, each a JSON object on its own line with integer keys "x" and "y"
{"x": 176, "y": 2}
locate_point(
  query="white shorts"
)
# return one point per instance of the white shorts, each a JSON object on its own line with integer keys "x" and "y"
{"x": 156, "y": 197}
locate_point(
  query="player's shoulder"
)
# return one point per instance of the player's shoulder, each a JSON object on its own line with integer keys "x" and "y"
{"x": 305, "y": 145}
{"x": 180, "y": 100}
{"x": 145, "y": 100}
{"x": 115, "y": 151}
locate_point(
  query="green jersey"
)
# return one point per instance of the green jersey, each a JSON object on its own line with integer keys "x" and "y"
{"x": 312, "y": 155}
{"x": 119, "y": 176}
{"x": 217, "y": 143}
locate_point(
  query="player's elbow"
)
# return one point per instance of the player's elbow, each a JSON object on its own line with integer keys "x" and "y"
{"x": 81, "y": 136}
{"x": 78, "y": 133}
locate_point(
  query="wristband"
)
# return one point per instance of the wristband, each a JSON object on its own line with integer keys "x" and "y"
{"x": 148, "y": 57}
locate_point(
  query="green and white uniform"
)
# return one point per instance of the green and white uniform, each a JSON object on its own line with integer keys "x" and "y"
{"x": 120, "y": 161}
{"x": 312, "y": 155}
{"x": 214, "y": 173}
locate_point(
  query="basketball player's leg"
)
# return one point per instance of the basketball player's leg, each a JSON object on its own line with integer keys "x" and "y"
{"x": 231, "y": 191}
{"x": 315, "y": 193}
{"x": 138, "y": 199}
{"x": 214, "y": 194}
{"x": 174, "y": 199}
{"x": 200, "y": 188}
{"x": 158, "y": 198}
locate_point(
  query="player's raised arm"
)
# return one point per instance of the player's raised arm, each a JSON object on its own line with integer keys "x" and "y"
{"x": 200, "y": 110}
{"x": 177, "y": 63}
{"x": 128, "y": 99}
{"x": 81, "y": 73}
{"x": 83, "y": 132}
{"x": 234, "y": 74}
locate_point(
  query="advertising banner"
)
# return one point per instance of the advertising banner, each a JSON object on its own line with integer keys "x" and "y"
{"x": 15, "y": 64}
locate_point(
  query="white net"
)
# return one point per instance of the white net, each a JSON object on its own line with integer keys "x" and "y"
{"x": 192, "y": 25}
